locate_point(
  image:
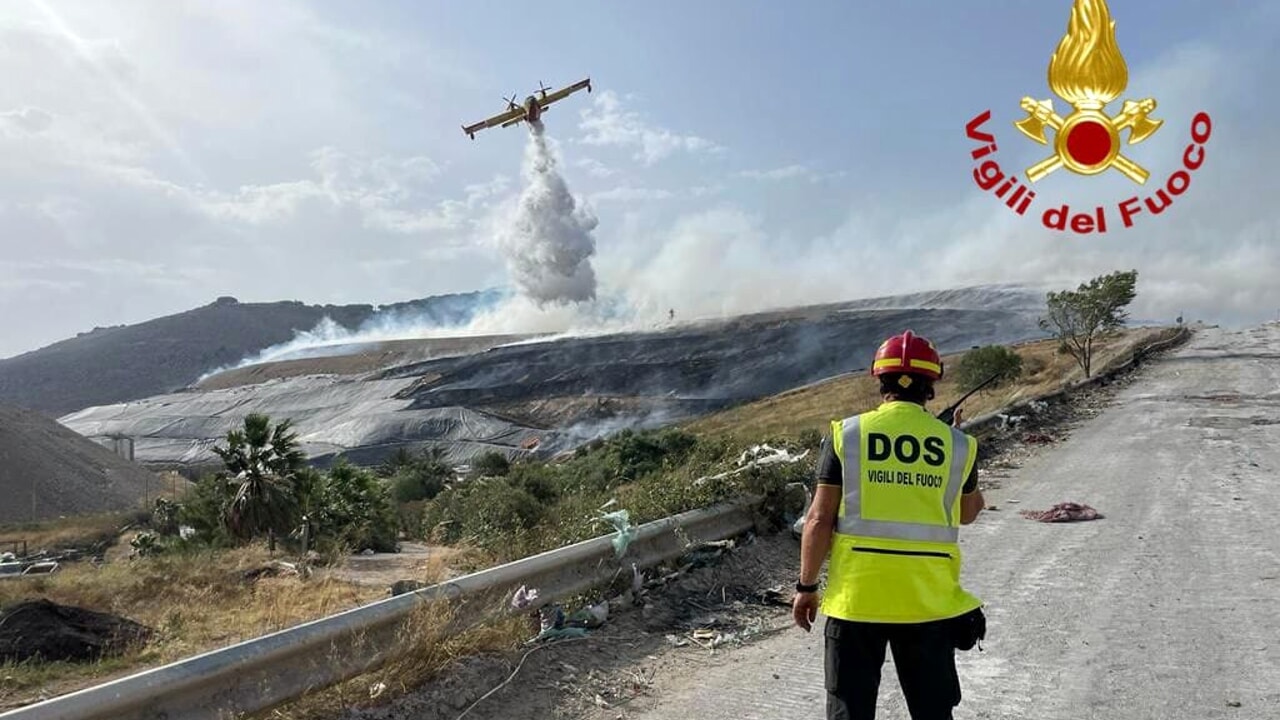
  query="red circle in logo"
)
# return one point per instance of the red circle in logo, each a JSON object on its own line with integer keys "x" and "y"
{"x": 1089, "y": 142}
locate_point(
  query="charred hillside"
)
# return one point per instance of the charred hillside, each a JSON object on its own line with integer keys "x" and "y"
{"x": 109, "y": 365}
{"x": 542, "y": 397}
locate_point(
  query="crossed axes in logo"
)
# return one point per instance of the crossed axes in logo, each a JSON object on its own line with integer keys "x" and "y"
{"x": 1133, "y": 115}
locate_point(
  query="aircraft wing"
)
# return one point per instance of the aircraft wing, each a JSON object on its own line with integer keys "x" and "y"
{"x": 494, "y": 121}
{"x": 565, "y": 92}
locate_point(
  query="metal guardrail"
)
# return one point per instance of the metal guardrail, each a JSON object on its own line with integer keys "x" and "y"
{"x": 984, "y": 422}
{"x": 264, "y": 672}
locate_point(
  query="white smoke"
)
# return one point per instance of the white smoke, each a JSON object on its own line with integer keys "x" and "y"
{"x": 547, "y": 241}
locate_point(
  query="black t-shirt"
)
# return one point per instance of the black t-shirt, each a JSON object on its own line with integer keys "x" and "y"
{"x": 830, "y": 472}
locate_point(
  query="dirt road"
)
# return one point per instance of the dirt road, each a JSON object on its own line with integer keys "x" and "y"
{"x": 1167, "y": 608}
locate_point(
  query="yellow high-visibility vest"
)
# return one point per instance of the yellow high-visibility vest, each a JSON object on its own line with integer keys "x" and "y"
{"x": 895, "y": 556}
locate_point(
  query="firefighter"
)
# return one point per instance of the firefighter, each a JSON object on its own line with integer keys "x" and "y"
{"x": 893, "y": 486}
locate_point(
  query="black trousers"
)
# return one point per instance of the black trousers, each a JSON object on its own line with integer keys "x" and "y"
{"x": 924, "y": 655}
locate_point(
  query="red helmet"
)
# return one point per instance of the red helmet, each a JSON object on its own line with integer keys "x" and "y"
{"x": 908, "y": 353}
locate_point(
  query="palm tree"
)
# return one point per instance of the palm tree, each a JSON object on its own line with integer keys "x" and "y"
{"x": 262, "y": 462}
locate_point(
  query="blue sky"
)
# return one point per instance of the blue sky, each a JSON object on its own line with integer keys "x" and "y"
{"x": 155, "y": 155}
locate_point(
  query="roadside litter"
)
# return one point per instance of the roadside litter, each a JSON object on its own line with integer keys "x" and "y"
{"x": 523, "y": 598}
{"x": 621, "y": 522}
{"x": 1063, "y": 512}
{"x": 556, "y": 626}
{"x": 754, "y": 456}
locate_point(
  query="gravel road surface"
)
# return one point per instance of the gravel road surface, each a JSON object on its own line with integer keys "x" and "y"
{"x": 1168, "y": 608}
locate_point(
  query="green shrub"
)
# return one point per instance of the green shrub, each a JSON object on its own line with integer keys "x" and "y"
{"x": 357, "y": 511}
{"x": 978, "y": 365}
{"x": 491, "y": 464}
{"x": 810, "y": 439}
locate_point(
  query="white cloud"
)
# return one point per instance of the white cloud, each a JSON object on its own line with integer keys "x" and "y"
{"x": 706, "y": 190}
{"x": 28, "y": 120}
{"x": 595, "y": 168}
{"x": 606, "y": 123}
{"x": 790, "y": 172}
{"x": 627, "y": 193}
{"x": 1213, "y": 256}
{"x": 146, "y": 167}
{"x": 783, "y": 173}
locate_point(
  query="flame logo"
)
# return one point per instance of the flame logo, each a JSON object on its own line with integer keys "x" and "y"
{"x": 1088, "y": 71}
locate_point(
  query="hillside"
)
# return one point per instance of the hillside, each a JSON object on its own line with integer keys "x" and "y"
{"x": 66, "y": 473}
{"x": 545, "y": 396}
{"x": 109, "y": 365}
{"x": 813, "y": 407}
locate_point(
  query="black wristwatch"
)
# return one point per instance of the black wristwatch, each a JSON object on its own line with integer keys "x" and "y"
{"x": 802, "y": 588}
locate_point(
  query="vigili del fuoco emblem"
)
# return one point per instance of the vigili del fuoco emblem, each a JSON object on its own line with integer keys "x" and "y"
{"x": 1088, "y": 71}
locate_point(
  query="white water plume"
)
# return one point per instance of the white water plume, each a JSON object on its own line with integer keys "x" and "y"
{"x": 547, "y": 241}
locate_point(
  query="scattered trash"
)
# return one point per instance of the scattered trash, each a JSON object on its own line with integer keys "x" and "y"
{"x": 42, "y": 568}
{"x": 775, "y": 596}
{"x": 621, "y": 521}
{"x": 377, "y": 689}
{"x": 589, "y": 617}
{"x": 1007, "y": 421}
{"x": 276, "y": 568}
{"x": 797, "y": 524}
{"x": 705, "y": 554}
{"x": 1233, "y": 703}
{"x": 523, "y": 598}
{"x": 753, "y": 456}
{"x": 1063, "y": 512}
{"x": 676, "y": 641}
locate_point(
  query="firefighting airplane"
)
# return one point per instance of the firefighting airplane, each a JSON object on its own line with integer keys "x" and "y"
{"x": 530, "y": 111}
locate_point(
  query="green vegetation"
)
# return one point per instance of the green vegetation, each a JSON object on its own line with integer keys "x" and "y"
{"x": 1078, "y": 318}
{"x": 537, "y": 506}
{"x": 977, "y": 366}
{"x": 508, "y": 510}
{"x": 268, "y": 490}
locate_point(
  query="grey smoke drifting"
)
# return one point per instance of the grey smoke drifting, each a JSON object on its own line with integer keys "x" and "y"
{"x": 547, "y": 241}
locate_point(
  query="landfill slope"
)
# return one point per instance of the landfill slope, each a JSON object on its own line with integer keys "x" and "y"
{"x": 547, "y": 396}
{"x": 1165, "y": 609}
{"x": 127, "y": 362}
{"x": 46, "y": 471}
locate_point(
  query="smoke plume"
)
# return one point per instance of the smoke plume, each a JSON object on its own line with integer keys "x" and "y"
{"x": 547, "y": 241}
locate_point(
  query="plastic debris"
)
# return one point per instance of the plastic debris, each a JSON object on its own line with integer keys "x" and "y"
{"x": 753, "y": 456}
{"x": 589, "y": 617}
{"x": 523, "y": 598}
{"x": 552, "y": 617}
{"x": 1063, "y": 512}
{"x": 621, "y": 521}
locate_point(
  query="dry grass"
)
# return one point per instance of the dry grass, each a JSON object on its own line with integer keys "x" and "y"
{"x": 195, "y": 603}
{"x": 85, "y": 531}
{"x": 426, "y": 644}
{"x": 789, "y": 413}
